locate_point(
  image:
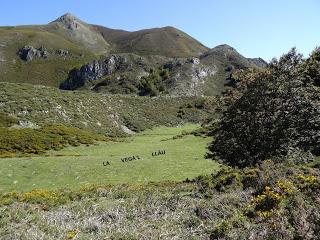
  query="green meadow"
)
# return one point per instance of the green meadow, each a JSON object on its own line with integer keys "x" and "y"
{"x": 75, "y": 167}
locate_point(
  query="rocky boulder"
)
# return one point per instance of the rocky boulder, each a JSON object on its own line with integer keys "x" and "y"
{"x": 28, "y": 53}
{"x": 62, "y": 52}
{"x": 194, "y": 60}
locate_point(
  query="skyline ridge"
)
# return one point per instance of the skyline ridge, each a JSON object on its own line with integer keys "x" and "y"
{"x": 265, "y": 29}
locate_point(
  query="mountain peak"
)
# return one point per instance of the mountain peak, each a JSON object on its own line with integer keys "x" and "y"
{"x": 76, "y": 30}
{"x": 67, "y": 16}
{"x": 69, "y": 20}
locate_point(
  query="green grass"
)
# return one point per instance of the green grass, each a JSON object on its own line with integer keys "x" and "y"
{"x": 74, "y": 167}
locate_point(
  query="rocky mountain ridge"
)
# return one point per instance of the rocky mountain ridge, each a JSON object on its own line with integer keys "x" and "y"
{"x": 75, "y": 55}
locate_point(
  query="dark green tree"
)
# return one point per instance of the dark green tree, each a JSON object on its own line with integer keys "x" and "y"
{"x": 277, "y": 115}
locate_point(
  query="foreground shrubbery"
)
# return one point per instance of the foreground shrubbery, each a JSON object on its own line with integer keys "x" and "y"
{"x": 21, "y": 141}
{"x": 270, "y": 201}
{"x": 271, "y": 114}
{"x": 281, "y": 201}
{"x": 275, "y": 114}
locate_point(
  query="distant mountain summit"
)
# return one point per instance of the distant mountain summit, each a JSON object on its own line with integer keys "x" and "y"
{"x": 227, "y": 55}
{"x": 68, "y": 20}
{"x": 76, "y": 30}
{"x": 166, "y": 41}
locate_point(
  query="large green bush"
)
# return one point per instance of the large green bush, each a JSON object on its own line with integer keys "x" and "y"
{"x": 277, "y": 115}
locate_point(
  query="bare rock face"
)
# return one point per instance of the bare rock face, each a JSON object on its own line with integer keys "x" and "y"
{"x": 188, "y": 77}
{"x": 95, "y": 70}
{"x": 28, "y": 53}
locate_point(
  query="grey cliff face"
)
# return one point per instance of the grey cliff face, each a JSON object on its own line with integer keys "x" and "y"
{"x": 188, "y": 77}
{"x": 94, "y": 71}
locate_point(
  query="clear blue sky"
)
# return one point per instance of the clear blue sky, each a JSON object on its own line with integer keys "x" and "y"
{"x": 265, "y": 28}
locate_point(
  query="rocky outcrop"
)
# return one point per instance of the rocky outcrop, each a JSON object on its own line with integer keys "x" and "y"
{"x": 25, "y": 124}
{"x": 185, "y": 76}
{"x": 62, "y": 52}
{"x": 94, "y": 71}
{"x": 195, "y": 61}
{"x": 207, "y": 75}
{"x": 188, "y": 77}
{"x": 28, "y": 53}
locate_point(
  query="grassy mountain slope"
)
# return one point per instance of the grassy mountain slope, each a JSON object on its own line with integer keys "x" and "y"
{"x": 106, "y": 114}
{"x": 225, "y": 54}
{"x": 166, "y": 41}
{"x": 51, "y": 71}
{"x": 67, "y": 33}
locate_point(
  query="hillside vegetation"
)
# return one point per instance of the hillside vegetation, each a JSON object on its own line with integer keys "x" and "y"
{"x": 51, "y": 71}
{"x": 113, "y": 115}
{"x": 119, "y": 153}
{"x": 26, "y": 141}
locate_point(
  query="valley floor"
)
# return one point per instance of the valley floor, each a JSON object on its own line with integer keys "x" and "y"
{"x": 125, "y": 161}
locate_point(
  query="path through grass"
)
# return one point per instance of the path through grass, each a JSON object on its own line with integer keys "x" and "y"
{"x": 74, "y": 167}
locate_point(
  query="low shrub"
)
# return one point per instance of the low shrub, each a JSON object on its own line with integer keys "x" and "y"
{"x": 36, "y": 141}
